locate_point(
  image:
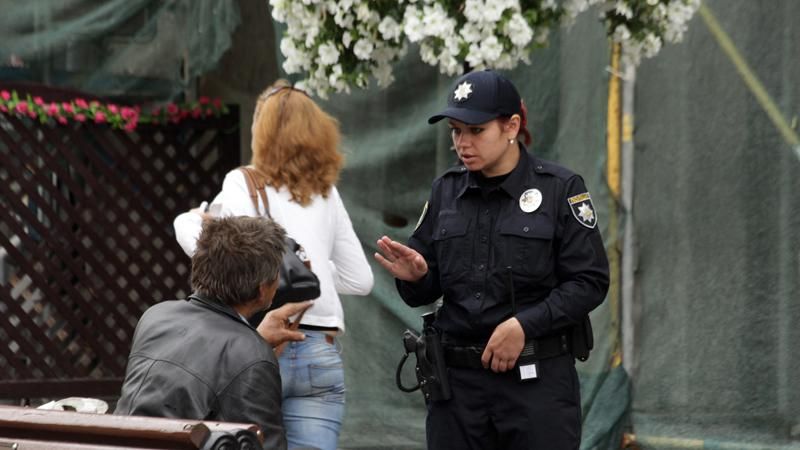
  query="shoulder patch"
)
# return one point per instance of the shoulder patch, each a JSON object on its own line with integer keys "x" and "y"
{"x": 422, "y": 216}
{"x": 583, "y": 209}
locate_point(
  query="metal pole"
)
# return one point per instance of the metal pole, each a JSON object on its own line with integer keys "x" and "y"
{"x": 629, "y": 232}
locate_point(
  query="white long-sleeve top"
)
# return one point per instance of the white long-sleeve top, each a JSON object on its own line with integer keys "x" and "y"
{"x": 323, "y": 228}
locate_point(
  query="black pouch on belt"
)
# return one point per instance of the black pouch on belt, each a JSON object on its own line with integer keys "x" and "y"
{"x": 527, "y": 367}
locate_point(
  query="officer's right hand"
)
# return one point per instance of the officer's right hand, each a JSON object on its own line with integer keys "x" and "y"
{"x": 403, "y": 262}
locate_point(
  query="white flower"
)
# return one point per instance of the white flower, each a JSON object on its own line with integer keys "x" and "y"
{"x": 621, "y": 33}
{"x": 328, "y": 54}
{"x": 363, "y": 49}
{"x": 470, "y": 32}
{"x": 412, "y": 25}
{"x": 623, "y": 9}
{"x": 389, "y": 29}
{"x": 518, "y": 30}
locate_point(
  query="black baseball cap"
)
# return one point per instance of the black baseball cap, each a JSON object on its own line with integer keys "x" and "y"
{"x": 478, "y": 97}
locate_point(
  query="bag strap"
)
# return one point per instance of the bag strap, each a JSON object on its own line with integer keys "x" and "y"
{"x": 255, "y": 188}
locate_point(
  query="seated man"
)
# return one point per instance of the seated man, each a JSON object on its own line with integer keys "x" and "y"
{"x": 199, "y": 358}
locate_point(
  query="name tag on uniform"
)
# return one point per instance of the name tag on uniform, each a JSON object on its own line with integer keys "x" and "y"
{"x": 528, "y": 372}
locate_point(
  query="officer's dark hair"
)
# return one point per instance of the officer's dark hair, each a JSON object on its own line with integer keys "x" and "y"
{"x": 234, "y": 256}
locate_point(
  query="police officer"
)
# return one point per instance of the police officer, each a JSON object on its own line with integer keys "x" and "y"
{"x": 510, "y": 242}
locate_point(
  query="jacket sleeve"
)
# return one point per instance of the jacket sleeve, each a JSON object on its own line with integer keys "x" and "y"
{"x": 255, "y": 397}
{"x": 352, "y": 273}
{"x": 581, "y": 269}
{"x": 426, "y": 290}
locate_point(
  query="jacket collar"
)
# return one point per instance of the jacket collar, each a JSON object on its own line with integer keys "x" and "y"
{"x": 516, "y": 182}
{"x": 218, "y": 307}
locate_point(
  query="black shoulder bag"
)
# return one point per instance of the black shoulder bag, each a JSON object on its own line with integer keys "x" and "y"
{"x": 297, "y": 282}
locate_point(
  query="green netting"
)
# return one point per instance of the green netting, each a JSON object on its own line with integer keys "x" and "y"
{"x": 144, "y": 47}
{"x": 716, "y": 211}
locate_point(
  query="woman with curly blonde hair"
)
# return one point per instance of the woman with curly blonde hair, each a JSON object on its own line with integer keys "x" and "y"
{"x": 296, "y": 154}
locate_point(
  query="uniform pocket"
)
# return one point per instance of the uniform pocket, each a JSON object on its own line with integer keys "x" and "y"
{"x": 527, "y": 244}
{"x": 451, "y": 244}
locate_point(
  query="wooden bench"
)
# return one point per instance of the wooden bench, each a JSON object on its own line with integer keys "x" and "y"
{"x": 32, "y": 429}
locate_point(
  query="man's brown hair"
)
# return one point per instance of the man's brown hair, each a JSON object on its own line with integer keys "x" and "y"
{"x": 234, "y": 256}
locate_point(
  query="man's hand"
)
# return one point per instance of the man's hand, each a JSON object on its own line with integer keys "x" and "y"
{"x": 403, "y": 262}
{"x": 276, "y": 328}
{"x": 504, "y": 346}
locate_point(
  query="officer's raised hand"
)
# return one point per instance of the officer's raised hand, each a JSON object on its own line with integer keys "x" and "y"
{"x": 504, "y": 346}
{"x": 403, "y": 262}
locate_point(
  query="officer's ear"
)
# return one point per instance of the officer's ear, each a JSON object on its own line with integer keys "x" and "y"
{"x": 512, "y": 124}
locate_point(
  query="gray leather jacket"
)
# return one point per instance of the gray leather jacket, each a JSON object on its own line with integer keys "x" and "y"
{"x": 197, "y": 359}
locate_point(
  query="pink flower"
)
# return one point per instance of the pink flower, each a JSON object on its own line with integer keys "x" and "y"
{"x": 217, "y": 103}
{"x": 3, "y": 108}
{"x": 197, "y": 112}
{"x": 204, "y": 100}
{"x": 62, "y": 120}
{"x": 81, "y": 103}
{"x": 52, "y": 110}
{"x": 130, "y": 126}
{"x": 129, "y": 113}
{"x": 67, "y": 107}
{"x": 80, "y": 117}
{"x": 31, "y": 114}
{"x": 38, "y": 101}
{"x": 22, "y": 107}
{"x": 113, "y": 109}
{"x": 209, "y": 112}
{"x": 172, "y": 109}
{"x": 5, "y": 95}
{"x": 99, "y": 117}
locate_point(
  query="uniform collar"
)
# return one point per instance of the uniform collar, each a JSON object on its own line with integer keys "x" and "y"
{"x": 515, "y": 183}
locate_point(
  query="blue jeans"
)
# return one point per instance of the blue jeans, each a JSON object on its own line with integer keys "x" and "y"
{"x": 313, "y": 391}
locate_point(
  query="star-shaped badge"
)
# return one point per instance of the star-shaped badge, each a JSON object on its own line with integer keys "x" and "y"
{"x": 583, "y": 209}
{"x": 586, "y": 213}
{"x": 462, "y": 92}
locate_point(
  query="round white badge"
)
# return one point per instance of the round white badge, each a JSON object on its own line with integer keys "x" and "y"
{"x": 530, "y": 200}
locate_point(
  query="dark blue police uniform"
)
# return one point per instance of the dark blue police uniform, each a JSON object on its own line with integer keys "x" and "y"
{"x": 484, "y": 246}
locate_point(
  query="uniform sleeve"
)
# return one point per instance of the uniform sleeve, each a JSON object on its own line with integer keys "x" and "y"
{"x": 352, "y": 272}
{"x": 255, "y": 397}
{"x": 581, "y": 268}
{"x": 426, "y": 290}
{"x": 234, "y": 200}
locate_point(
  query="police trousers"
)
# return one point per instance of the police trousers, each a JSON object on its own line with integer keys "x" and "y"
{"x": 496, "y": 411}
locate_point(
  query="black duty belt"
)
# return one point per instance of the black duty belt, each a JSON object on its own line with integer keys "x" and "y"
{"x": 469, "y": 357}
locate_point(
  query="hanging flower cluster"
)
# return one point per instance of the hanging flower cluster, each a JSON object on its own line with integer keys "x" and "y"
{"x": 117, "y": 116}
{"x": 341, "y": 43}
{"x": 643, "y": 26}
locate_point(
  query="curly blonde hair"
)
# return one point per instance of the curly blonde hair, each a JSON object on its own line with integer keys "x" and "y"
{"x": 295, "y": 143}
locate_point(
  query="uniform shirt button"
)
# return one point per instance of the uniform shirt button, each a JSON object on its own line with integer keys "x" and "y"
{"x": 444, "y": 231}
{"x": 526, "y": 229}
{"x": 483, "y": 238}
{"x": 486, "y": 212}
{"x": 477, "y": 295}
{"x": 480, "y": 267}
